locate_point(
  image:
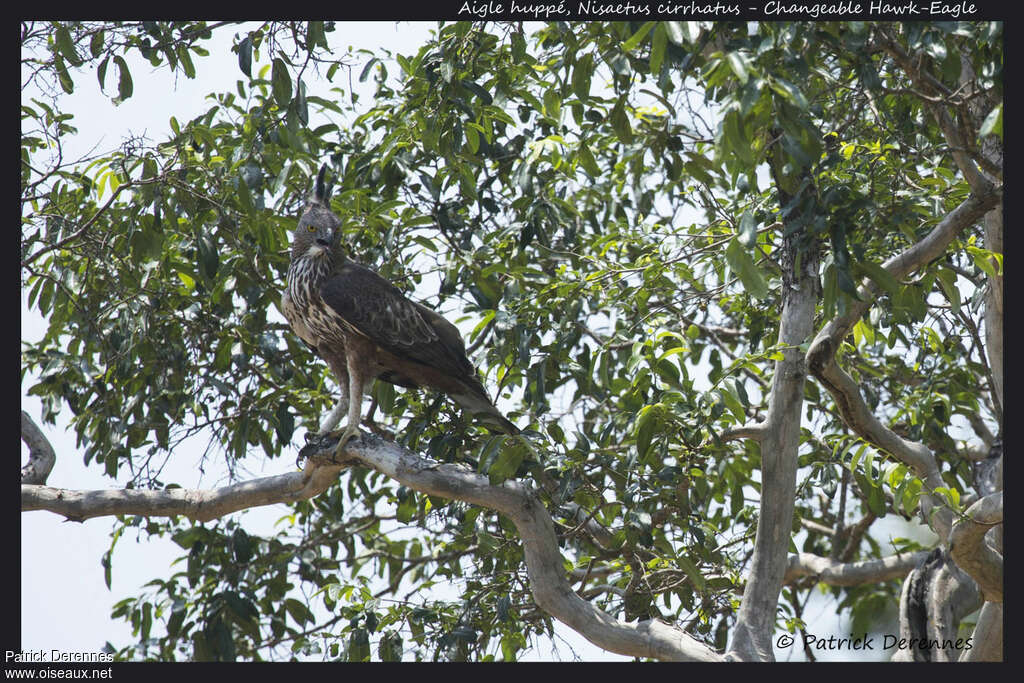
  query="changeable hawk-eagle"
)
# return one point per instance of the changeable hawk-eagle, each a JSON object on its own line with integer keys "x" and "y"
{"x": 365, "y": 328}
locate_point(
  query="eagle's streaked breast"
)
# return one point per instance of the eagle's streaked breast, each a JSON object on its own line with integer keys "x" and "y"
{"x": 305, "y": 277}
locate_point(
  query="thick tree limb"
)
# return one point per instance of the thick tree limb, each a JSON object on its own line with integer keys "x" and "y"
{"x": 994, "y": 310}
{"x": 835, "y": 573}
{"x": 899, "y": 266}
{"x": 987, "y": 639}
{"x": 846, "y": 393}
{"x": 779, "y": 438}
{"x": 936, "y": 596}
{"x": 518, "y": 501}
{"x": 969, "y": 550}
{"x": 41, "y": 457}
{"x": 754, "y": 431}
{"x": 200, "y": 505}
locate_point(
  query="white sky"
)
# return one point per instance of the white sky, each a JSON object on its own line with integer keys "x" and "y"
{"x": 64, "y": 602}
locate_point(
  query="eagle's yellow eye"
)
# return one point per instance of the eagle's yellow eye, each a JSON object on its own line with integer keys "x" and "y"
{"x": 311, "y": 228}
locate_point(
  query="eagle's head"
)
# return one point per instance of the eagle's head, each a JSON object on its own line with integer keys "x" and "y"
{"x": 318, "y": 228}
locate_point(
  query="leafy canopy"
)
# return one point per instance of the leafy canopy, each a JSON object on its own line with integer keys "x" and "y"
{"x": 591, "y": 204}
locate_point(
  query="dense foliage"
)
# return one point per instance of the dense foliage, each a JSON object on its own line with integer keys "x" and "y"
{"x": 592, "y": 203}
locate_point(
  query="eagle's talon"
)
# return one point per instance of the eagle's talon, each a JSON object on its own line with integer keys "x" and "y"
{"x": 348, "y": 434}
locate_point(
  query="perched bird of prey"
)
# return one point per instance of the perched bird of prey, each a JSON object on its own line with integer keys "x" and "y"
{"x": 365, "y": 328}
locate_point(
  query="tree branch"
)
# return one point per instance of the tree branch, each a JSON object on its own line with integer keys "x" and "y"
{"x": 200, "y": 505}
{"x": 779, "y": 439}
{"x": 988, "y": 635}
{"x": 934, "y": 97}
{"x": 969, "y": 550}
{"x": 755, "y": 431}
{"x": 41, "y": 457}
{"x": 835, "y": 573}
{"x": 550, "y": 586}
{"x": 514, "y": 499}
{"x": 88, "y": 224}
{"x": 845, "y": 391}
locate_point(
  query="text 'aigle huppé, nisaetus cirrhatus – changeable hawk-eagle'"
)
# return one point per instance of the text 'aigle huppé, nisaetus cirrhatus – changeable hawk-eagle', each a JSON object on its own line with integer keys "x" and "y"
{"x": 366, "y": 329}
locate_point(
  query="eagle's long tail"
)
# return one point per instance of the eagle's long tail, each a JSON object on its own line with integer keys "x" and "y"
{"x": 484, "y": 411}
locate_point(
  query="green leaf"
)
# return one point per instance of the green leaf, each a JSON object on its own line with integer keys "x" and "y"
{"x": 748, "y": 230}
{"x": 911, "y": 495}
{"x": 982, "y": 261}
{"x": 620, "y": 122}
{"x": 581, "y": 75}
{"x": 285, "y": 426}
{"x": 733, "y": 404}
{"x": 66, "y": 84}
{"x": 315, "y": 35}
{"x": 736, "y": 139}
{"x": 659, "y": 42}
{"x": 552, "y": 103}
{"x": 588, "y": 162}
{"x": 62, "y": 37}
{"x": 649, "y": 420}
{"x": 691, "y": 570}
{"x": 882, "y": 277}
{"x": 743, "y": 266}
{"x": 147, "y": 621}
{"x": 993, "y": 123}
{"x": 298, "y": 611}
{"x": 245, "y": 56}
{"x": 947, "y": 281}
{"x": 365, "y": 73}
{"x": 507, "y": 462}
{"x": 846, "y": 283}
{"x": 691, "y": 29}
{"x": 186, "y": 61}
{"x": 738, "y": 63}
{"x": 281, "y": 81}
{"x": 96, "y": 44}
{"x": 186, "y": 280}
{"x": 789, "y": 92}
{"x": 674, "y": 32}
{"x": 638, "y": 37}
{"x": 876, "y": 501}
{"x": 101, "y": 71}
{"x": 124, "y": 79}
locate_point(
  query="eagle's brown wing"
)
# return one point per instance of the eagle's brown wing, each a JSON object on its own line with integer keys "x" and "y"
{"x": 379, "y": 311}
{"x": 425, "y": 347}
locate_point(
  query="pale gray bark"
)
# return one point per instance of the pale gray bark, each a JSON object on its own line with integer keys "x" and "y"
{"x": 200, "y": 505}
{"x": 855, "y": 412}
{"x": 41, "y": 457}
{"x": 779, "y": 438}
{"x": 994, "y": 307}
{"x": 987, "y": 639}
{"x": 969, "y": 549}
{"x": 836, "y": 573}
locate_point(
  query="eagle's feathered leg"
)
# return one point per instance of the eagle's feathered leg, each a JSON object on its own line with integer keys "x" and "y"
{"x": 357, "y": 353}
{"x": 339, "y": 368}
